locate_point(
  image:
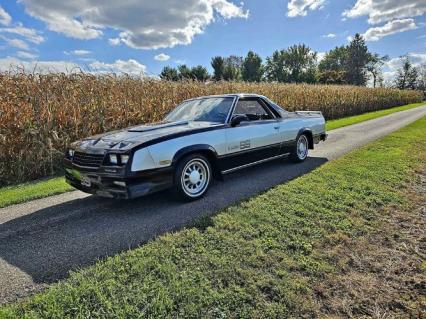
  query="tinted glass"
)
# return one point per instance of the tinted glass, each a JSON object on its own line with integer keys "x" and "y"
{"x": 208, "y": 109}
{"x": 252, "y": 109}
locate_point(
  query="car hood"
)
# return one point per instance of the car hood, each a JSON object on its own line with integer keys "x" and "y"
{"x": 128, "y": 138}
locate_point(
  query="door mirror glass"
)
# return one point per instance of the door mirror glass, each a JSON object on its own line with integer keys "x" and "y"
{"x": 238, "y": 118}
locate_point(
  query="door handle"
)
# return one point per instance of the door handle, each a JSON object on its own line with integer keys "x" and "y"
{"x": 276, "y": 127}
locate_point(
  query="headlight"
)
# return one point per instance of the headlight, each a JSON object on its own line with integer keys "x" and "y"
{"x": 113, "y": 159}
{"x": 124, "y": 159}
{"x": 71, "y": 153}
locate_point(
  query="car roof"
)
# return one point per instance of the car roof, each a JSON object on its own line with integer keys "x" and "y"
{"x": 239, "y": 95}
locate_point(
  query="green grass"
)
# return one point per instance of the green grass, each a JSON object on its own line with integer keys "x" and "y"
{"x": 29, "y": 191}
{"x": 258, "y": 259}
{"x": 333, "y": 124}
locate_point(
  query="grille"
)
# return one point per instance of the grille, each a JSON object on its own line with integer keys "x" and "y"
{"x": 88, "y": 160}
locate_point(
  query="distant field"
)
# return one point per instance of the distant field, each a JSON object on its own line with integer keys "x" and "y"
{"x": 42, "y": 114}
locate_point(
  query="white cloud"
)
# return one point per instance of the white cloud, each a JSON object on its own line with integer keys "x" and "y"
{"x": 13, "y": 64}
{"x": 30, "y": 35}
{"x": 114, "y": 41}
{"x": 162, "y": 57}
{"x": 392, "y": 27}
{"x": 16, "y": 43}
{"x": 26, "y": 55}
{"x": 330, "y": 35}
{"x": 301, "y": 7}
{"x": 5, "y": 18}
{"x": 130, "y": 66}
{"x": 143, "y": 24}
{"x": 78, "y": 52}
{"x": 379, "y": 11}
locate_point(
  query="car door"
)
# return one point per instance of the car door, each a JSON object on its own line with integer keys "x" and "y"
{"x": 254, "y": 140}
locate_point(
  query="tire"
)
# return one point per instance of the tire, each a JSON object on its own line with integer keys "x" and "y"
{"x": 192, "y": 178}
{"x": 300, "y": 149}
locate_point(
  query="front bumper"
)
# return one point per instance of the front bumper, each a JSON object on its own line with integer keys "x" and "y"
{"x": 117, "y": 183}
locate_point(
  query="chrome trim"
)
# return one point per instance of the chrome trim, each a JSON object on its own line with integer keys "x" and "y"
{"x": 254, "y": 163}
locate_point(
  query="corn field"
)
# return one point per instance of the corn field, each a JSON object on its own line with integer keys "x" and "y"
{"x": 41, "y": 114}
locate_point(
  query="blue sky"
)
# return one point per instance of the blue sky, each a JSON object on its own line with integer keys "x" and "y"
{"x": 143, "y": 36}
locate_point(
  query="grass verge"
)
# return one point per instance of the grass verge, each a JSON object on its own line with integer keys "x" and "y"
{"x": 29, "y": 191}
{"x": 33, "y": 190}
{"x": 333, "y": 124}
{"x": 262, "y": 258}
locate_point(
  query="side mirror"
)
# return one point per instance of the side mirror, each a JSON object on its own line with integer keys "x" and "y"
{"x": 238, "y": 118}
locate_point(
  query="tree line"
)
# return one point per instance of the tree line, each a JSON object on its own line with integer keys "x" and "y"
{"x": 351, "y": 64}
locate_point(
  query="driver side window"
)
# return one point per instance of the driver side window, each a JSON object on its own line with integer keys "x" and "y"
{"x": 252, "y": 109}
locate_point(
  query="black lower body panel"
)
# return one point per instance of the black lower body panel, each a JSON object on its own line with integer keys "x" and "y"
{"x": 120, "y": 187}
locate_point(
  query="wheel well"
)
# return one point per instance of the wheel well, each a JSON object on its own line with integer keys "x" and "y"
{"x": 310, "y": 138}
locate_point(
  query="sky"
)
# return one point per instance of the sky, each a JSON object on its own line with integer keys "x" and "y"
{"x": 140, "y": 37}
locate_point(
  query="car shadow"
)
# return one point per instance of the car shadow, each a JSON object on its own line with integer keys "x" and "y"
{"x": 50, "y": 242}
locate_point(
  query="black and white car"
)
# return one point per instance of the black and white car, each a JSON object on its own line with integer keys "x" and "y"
{"x": 201, "y": 139}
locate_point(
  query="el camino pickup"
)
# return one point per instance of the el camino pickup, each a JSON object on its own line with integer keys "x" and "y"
{"x": 201, "y": 139}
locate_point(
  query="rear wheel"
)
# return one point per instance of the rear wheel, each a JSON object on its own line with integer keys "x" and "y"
{"x": 300, "y": 150}
{"x": 192, "y": 177}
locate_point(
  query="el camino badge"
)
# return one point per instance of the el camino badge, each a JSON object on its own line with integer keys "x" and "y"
{"x": 244, "y": 144}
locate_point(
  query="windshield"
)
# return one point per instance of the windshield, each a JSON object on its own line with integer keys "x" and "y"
{"x": 212, "y": 109}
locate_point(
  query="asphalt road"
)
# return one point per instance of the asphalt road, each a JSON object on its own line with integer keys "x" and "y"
{"x": 42, "y": 240}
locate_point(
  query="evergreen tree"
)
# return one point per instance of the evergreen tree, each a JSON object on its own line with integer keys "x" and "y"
{"x": 218, "y": 65}
{"x": 252, "y": 70}
{"x": 356, "y": 61}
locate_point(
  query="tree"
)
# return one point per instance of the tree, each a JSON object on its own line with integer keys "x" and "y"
{"x": 356, "y": 62}
{"x": 332, "y": 68}
{"x": 274, "y": 68}
{"x": 252, "y": 70}
{"x": 300, "y": 63}
{"x": 374, "y": 66}
{"x": 200, "y": 73}
{"x": 296, "y": 64}
{"x": 169, "y": 74}
{"x": 421, "y": 80}
{"x": 407, "y": 75}
{"x": 218, "y": 65}
{"x": 334, "y": 60}
{"x": 184, "y": 72}
{"x": 232, "y": 70}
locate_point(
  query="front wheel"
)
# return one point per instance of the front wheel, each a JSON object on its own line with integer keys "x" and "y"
{"x": 300, "y": 150}
{"x": 192, "y": 177}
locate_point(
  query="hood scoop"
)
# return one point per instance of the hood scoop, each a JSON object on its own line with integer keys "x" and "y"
{"x": 152, "y": 127}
